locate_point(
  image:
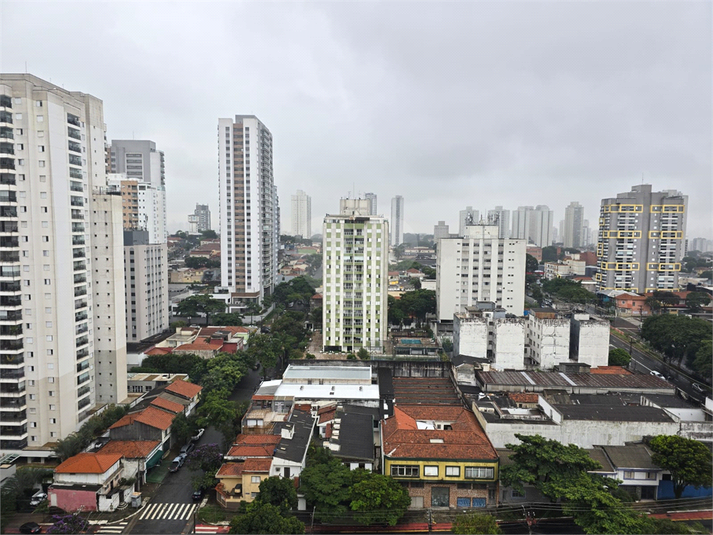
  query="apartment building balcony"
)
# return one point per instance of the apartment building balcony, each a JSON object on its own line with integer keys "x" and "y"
{"x": 83, "y": 391}
{"x": 13, "y": 417}
{"x": 7, "y": 163}
{"x": 83, "y": 403}
{"x": 80, "y": 291}
{"x": 12, "y": 374}
{"x": 15, "y": 389}
{"x": 10, "y": 301}
{"x": 10, "y": 288}
{"x": 83, "y": 341}
{"x": 8, "y": 227}
{"x": 11, "y": 345}
{"x": 10, "y": 316}
{"x": 77, "y": 227}
{"x": 81, "y": 366}
{"x": 82, "y": 353}
{"x": 79, "y": 253}
{"x": 77, "y": 214}
{"x": 11, "y": 359}
{"x": 80, "y": 265}
{"x": 7, "y": 257}
{"x": 14, "y": 432}
{"x": 10, "y": 332}
{"x": 8, "y": 211}
{"x": 15, "y": 403}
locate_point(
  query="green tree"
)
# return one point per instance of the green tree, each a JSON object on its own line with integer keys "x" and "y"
{"x": 537, "y": 293}
{"x": 544, "y": 464}
{"x": 619, "y": 357}
{"x": 549, "y": 254}
{"x": 197, "y": 304}
{"x": 378, "y": 499}
{"x": 531, "y": 263}
{"x": 676, "y": 336}
{"x": 395, "y": 314}
{"x": 706, "y": 274}
{"x": 653, "y": 303}
{"x": 697, "y": 300}
{"x": 182, "y": 429}
{"x": 703, "y": 363}
{"x": 278, "y": 491}
{"x": 568, "y": 290}
{"x": 315, "y": 316}
{"x": 447, "y": 345}
{"x": 206, "y": 460}
{"x": 227, "y": 319}
{"x": 263, "y": 349}
{"x": 418, "y": 303}
{"x": 208, "y": 235}
{"x": 196, "y": 262}
{"x": 325, "y": 482}
{"x": 689, "y": 461}
{"x": 476, "y": 523}
{"x": 363, "y": 354}
{"x": 260, "y": 517}
{"x": 72, "y": 523}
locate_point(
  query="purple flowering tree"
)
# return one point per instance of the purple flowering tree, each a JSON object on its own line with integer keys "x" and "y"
{"x": 68, "y": 524}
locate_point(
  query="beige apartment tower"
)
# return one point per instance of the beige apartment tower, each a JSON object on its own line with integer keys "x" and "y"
{"x": 62, "y": 345}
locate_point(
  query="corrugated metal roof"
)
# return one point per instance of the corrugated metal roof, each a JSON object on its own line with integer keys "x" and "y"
{"x": 327, "y": 372}
{"x": 559, "y": 380}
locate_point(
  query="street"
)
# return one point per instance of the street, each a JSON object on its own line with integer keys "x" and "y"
{"x": 172, "y": 508}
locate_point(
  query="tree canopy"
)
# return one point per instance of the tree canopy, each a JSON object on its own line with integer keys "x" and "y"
{"x": 697, "y": 300}
{"x": 475, "y": 524}
{"x": 414, "y": 304}
{"x": 278, "y": 491}
{"x": 568, "y": 290}
{"x": 260, "y": 517}
{"x": 676, "y": 336}
{"x": 197, "y": 304}
{"x": 531, "y": 263}
{"x": 689, "y": 461}
{"x": 619, "y": 357}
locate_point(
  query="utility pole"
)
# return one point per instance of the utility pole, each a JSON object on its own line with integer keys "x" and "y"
{"x": 430, "y": 520}
{"x": 311, "y": 528}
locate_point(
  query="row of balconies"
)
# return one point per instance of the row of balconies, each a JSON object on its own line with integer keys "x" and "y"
{"x": 14, "y": 403}
{"x": 12, "y": 389}
{"x": 12, "y": 359}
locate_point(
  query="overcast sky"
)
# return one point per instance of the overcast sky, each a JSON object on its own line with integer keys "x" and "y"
{"x": 447, "y": 104}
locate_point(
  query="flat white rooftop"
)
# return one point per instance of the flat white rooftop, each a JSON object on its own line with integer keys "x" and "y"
{"x": 361, "y": 373}
{"x": 341, "y": 391}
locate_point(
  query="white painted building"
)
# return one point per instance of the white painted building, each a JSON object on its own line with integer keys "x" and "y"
{"x": 480, "y": 266}
{"x": 53, "y": 300}
{"x": 574, "y": 225}
{"x": 397, "y": 220}
{"x": 548, "y": 341}
{"x": 466, "y": 218}
{"x": 302, "y": 215}
{"x": 355, "y": 247}
{"x": 470, "y": 335}
{"x": 249, "y": 210}
{"x": 509, "y": 343}
{"x": 147, "y": 302}
{"x": 500, "y": 217}
{"x": 589, "y": 338}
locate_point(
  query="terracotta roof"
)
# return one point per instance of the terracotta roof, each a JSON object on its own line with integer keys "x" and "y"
{"x": 151, "y": 416}
{"x": 158, "y": 351}
{"x": 88, "y": 463}
{"x": 246, "y": 450}
{"x": 183, "y": 388}
{"x": 257, "y": 465}
{"x": 167, "y": 405}
{"x": 198, "y": 345}
{"x": 131, "y": 449}
{"x": 233, "y": 329}
{"x": 326, "y": 416}
{"x": 521, "y": 397}
{"x": 466, "y": 439}
{"x": 257, "y": 439}
{"x": 610, "y": 370}
{"x": 230, "y": 469}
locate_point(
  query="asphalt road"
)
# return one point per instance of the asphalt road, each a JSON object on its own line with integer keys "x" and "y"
{"x": 172, "y": 508}
{"x": 642, "y": 363}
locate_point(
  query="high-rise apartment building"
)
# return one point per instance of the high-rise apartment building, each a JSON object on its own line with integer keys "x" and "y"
{"x": 480, "y": 266}
{"x": 355, "y": 262}
{"x": 139, "y": 160}
{"x": 540, "y": 226}
{"x": 703, "y": 245}
{"x": 574, "y": 225}
{"x": 641, "y": 240}
{"x": 467, "y": 217}
{"x": 249, "y": 210}
{"x": 397, "y": 220}
{"x": 440, "y": 231}
{"x": 203, "y": 217}
{"x": 62, "y": 345}
{"x": 146, "y": 281}
{"x": 500, "y": 217}
{"x": 371, "y": 197}
{"x": 521, "y": 222}
{"x": 302, "y": 215}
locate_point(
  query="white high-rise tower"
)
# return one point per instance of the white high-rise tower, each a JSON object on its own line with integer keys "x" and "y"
{"x": 397, "y": 220}
{"x": 302, "y": 215}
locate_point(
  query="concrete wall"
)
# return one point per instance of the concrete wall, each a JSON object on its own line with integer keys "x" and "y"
{"x": 72, "y": 499}
{"x": 470, "y": 336}
{"x": 590, "y": 341}
{"x": 549, "y": 341}
{"x": 583, "y": 433}
{"x": 509, "y": 343}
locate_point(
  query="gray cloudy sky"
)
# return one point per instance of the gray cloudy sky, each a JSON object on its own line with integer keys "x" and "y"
{"x": 448, "y": 104}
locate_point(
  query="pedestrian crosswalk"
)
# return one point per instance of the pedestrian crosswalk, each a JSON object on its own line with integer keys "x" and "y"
{"x": 168, "y": 511}
{"x": 115, "y": 528}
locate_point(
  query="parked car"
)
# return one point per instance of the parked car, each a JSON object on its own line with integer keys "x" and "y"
{"x": 30, "y": 527}
{"x": 198, "y": 495}
{"x": 198, "y": 435}
{"x": 188, "y": 448}
{"x": 657, "y": 374}
{"x": 38, "y": 497}
{"x": 698, "y": 388}
{"x": 177, "y": 463}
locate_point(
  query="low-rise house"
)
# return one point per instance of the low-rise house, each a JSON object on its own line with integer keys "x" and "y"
{"x": 151, "y": 423}
{"x": 145, "y": 382}
{"x": 89, "y": 482}
{"x": 632, "y": 465}
{"x": 187, "y": 275}
{"x": 240, "y": 481}
{"x": 442, "y": 454}
{"x": 138, "y": 456}
{"x": 290, "y": 456}
{"x": 189, "y": 392}
{"x": 352, "y": 434}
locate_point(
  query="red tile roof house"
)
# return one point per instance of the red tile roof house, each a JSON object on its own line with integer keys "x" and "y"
{"x": 89, "y": 482}
{"x": 138, "y": 456}
{"x": 151, "y": 423}
{"x": 188, "y": 391}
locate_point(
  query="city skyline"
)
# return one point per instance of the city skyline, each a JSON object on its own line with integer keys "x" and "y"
{"x": 579, "y": 121}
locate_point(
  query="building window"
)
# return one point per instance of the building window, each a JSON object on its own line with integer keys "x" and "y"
{"x": 474, "y": 472}
{"x": 255, "y": 479}
{"x": 453, "y": 471}
{"x": 404, "y": 471}
{"x": 629, "y": 474}
{"x": 430, "y": 471}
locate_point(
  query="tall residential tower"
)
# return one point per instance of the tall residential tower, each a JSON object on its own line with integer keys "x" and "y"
{"x": 62, "y": 331}
{"x": 397, "y": 221}
{"x": 302, "y": 215}
{"x": 641, "y": 240}
{"x": 355, "y": 277}
{"x": 574, "y": 225}
{"x": 249, "y": 211}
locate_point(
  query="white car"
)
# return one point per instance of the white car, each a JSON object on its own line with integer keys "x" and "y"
{"x": 38, "y": 498}
{"x": 198, "y": 435}
{"x": 698, "y": 388}
{"x": 657, "y": 374}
